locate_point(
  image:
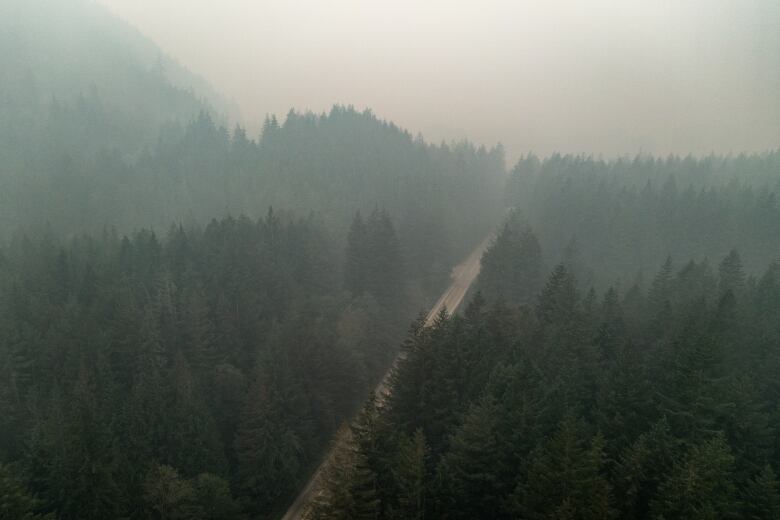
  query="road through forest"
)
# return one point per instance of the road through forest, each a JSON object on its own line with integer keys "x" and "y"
{"x": 463, "y": 275}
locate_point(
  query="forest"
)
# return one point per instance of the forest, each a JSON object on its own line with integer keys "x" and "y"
{"x": 542, "y": 401}
{"x": 194, "y": 315}
{"x": 619, "y": 219}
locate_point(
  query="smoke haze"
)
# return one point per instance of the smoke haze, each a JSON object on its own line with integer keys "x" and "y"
{"x": 604, "y": 77}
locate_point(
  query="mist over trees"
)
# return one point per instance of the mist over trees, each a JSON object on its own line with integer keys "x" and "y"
{"x": 75, "y": 77}
{"x": 190, "y": 314}
{"x": 161, "y": 358}
{"x": 655, "y": 402}
{"x": 580, "y": 382}
{"x": 622, "y": 218}
{"x": 221, "y": 357}
{"x": 101, "y": 130}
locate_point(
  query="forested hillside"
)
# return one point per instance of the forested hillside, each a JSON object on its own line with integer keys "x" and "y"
{"x": 73, "y": 77}
{"x": 160, "y": 358}
{"x": 581, "y": 382}
{"x": 100, "y": 131}
{"x": 216, "y": 362}
{"x": 620, "y": 219}
{"x": 190, "y": 315}
{"x": 444, "y": 198}
{"x": 656, "y": 402}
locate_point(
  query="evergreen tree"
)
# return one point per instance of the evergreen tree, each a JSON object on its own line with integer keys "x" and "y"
{"x": 731, "y": 275}
{"x": 641, "y": 469}
{"x": 335, "y": 498}
{"x": 469, "y": 471}
{"x": 267, "y": 449}
{"x": 761, "y": 498}
{"x": 16, "y": 502}
{"x": 564, "y": 478}
{"x": 512, "y": 264}
{"x": 356, "y": 268}
{"x": 558, "y": 300}
{"x": 701, "y": 485}
{"x": 411, "y": 477}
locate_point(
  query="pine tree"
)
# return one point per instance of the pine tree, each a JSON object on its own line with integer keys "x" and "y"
{"x": 349, "y": 483}
{"x": 564, "y": 478}
{"x": 659, "y": 297}
{"x": 195, "y": 446}
{"x": 363, "y": 490}
{"x": 558, "y": 300}
{"x": 761, "y": 497}
{"x": 411, "y": 478}
{"x": 701, "y": 485}
{"x": 512, "y": 265}
{"x": 641, "y": 469}
{"x": 16, "y": 502}
{"x": 469, "y": 471}
{"x": 334, "y": 499}
{"x": 731, "y": 276}
{"x": 357, "y": 257}
{"x": 199, "y": 334}
{"x": 384, "y": 271}
{"x": 269, "y": 452}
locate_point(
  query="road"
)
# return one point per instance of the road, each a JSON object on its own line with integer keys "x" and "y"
{"x": 463, "y": 275}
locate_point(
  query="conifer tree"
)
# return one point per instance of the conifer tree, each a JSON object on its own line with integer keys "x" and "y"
{"x": 469, "y": 471}
{"x": 16, "y": 502}
{"x": 701, "y": 485}
{"x": 411, "y": 478}
{"x": 357, "y": 257}
{"x": 642, "y": 467}
{"x": 558, "y": 300}
{"x": 267, "y": 449}
{"x": 731, "y": 276}
{"x": 564, "y": 478}
{"x": 761, "y": 497}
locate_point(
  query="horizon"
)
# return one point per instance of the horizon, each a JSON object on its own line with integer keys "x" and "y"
{"x": 525, "y": 76}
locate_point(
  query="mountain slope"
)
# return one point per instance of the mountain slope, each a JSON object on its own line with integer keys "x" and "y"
{"x": 74, "y": 75}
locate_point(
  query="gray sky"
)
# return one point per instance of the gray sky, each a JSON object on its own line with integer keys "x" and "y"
{"x": 601, "y": 76}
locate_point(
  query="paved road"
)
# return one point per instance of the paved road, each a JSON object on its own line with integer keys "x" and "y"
{"x": 463, "y": 275}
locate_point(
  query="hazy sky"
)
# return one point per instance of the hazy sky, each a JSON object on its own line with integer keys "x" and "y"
{"x": 599, "y": 76}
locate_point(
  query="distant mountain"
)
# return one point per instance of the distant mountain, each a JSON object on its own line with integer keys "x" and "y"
{"x": 99, "y": 129}
{"x": 74, "y": 76}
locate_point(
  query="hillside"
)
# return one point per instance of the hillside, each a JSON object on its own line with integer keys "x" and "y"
{"x": 72, "y": 76}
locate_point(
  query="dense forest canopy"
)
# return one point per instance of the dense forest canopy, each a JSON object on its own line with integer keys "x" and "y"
{"x": 619, "y": 219}
{"x": 190, "y": 314}
{"x": 656, "y": 402}
{"x": 159, "y": 357}
{"x": 228, "y": 353}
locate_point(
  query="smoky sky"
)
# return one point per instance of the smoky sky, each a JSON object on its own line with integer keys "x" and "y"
{"x": 604, "y": 77}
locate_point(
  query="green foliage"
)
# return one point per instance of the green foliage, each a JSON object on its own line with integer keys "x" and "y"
{"x": 564, "y": 478}
{"x": 761, "y": 498}
{"x": 156, "y": 371}
{"x": 584, "y": 410}
{"x": 206, "y": 497}
{"x": 16, "y": 502}
{"x": 349, "y": 486}
{"x": 468, "y": 472}
{"x": 629, "y": 214}
{"x": 268, "y": 450}
{"x": 700, "y": 486}
{"x": 373, "y": 260}
{"x": 411, "y": 475}
{"x": 512, "y": 265}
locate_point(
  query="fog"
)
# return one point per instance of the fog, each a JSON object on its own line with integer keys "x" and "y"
{"x": 607, "y": 76}
{"x": 327, "y": 317}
